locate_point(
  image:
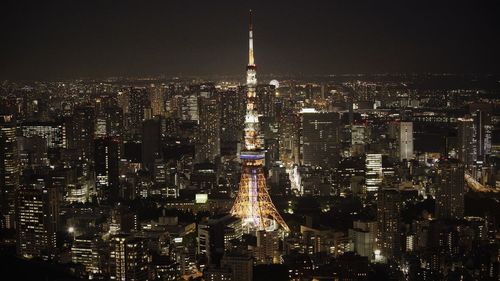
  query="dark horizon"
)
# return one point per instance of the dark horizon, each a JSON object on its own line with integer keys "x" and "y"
{"x": 74, "y": 39}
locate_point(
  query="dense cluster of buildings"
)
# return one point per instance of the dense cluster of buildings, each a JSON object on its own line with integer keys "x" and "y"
{"x": 332, "y": 178}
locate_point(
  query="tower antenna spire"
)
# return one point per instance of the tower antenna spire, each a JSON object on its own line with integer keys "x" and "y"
{"x": 251, "y": 60}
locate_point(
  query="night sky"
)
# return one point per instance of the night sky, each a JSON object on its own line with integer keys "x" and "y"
{"x": 70, "y": 39}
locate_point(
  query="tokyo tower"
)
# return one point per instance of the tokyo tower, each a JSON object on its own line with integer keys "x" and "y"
{"x": 253, "y": 203}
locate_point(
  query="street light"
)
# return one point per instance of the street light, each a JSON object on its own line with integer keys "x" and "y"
{"x": 72, "y": 231}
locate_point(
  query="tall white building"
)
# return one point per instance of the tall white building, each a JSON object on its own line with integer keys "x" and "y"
{"x": 373, "y": 171}
{"x": 405, "y": 140}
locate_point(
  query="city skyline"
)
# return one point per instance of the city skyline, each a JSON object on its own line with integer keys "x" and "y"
{"x": 96, "y": 39}
{"x": 296, "y": 176}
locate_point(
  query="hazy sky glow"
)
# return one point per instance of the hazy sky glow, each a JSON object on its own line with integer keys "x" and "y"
{"x": 67, "y": 39}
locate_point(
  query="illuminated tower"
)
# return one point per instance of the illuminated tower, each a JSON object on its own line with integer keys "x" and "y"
{"x": 253, "y": 203}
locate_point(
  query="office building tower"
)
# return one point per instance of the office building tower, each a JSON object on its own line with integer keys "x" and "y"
{"x": 232, "y": 116}
{"x": 289, "y": 140}
{"x": 37, "y": 216}
{"x": 151, "y": 143}
{"x": 208, "y": 146}
{"x": 320, "y": 139}
{"x": 9, "y": 170}
{"x": 138, "y": 103}
{"x": 109, "y": 122}
{"x": 358, "y": 139}
{"x": 388, "y": 218}
{"x": 266, "y": 101}
{"x": 373, "y": 172}
{"x": 156, "y": 98}
{"x": 189, "y": 109}
{"x": 87, "y": 250}
{"x": 54, "y": 133}
{"x": 467, "y": 150}
{"x": 106, "y": 162}
{"x": 123, "y": 101}
{"x": 215, "y": 235}
{"x": 405, "y": 140}
{"x": 253, "y": 204}
{"x": 122, "y": 220}
{"x": 33, "y": 152}
{"x": 82, "y": 133}
{"x": 267, "y": 250}
{"x": 241, "y": 265}
{"x": 362, "y": 241}
{"x": 483, "y": 127}
{"x": 129, "y": 259}
{"x": 450, "y": 189}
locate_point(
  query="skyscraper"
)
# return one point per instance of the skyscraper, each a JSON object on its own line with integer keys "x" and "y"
{"x": 9, "y": 170}
{"x": 151, "y": 142}
{"x": 54, "y": 133}
{"x": 388, "y": 236}
{"x": 156, "y": 95}
{"x": 129, "y": 258}
{"x": 450, "y": 189}
{"x": 253, "y": 203}
{"x": 37, "y": 211}
{"x": 482, "y": 122}
{"x": 373, "y": 171}
{"x": 106, "y": 160}
{"x": 138, "y": 103}
{"x": 86, "y": 250}
{"x": 241, "y": 265}
{"x": 82, "y": 133}
{"x": 266, "y": 100}
{"x": 405, "y": 140}
{"x": 208, "y": 147}
{"x": 467, "y": 150}
{"x": 320, "y": 139}
{"x": 231, "y": 119}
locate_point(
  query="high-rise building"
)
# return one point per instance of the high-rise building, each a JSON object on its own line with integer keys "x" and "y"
{"x": 122, "y": 220}
{"x": 37, "y": 216}
{"x": 267, "y": 249}
{"x": 189, "y": 108}
{"x": 450, "y": 189}
{"x": 208, "y": 147}
{"x": 241, "y": 265}
{"x": 87, "y": 250}
{"x": 156, "y": 95}
{"x": 109, "y": 123}
{"x": 266, "y": 100}
{"x": 467, "y": 150}
{"x": 405, "y": 140}
{"x": 123, "y": 101}
{"x": 253, "y": 204}
{"x": 373, "y": 171}
{"x": 106, "y": 161}
{"x": 138, "y": 103}
{"x": 388, "y": 218}
{"x": 82, "y": 133}
{"x": 483, "y": 133}
{"x": 232, "y": 116}
{"x": 320, "y": 139}
{"x": 214, "y": 236}
{"x": 54, "y": 133}
{"x": 9, "y": 170}
{"x": 151, "y": 143}
{"x": 129, "y": 258}
{"x": 358, "y": 139}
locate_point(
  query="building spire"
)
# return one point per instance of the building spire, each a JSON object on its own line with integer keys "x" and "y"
{"x": 251, "y": 61}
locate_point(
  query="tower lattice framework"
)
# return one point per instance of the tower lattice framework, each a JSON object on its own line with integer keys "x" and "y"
{"x": 253, "y": 203}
